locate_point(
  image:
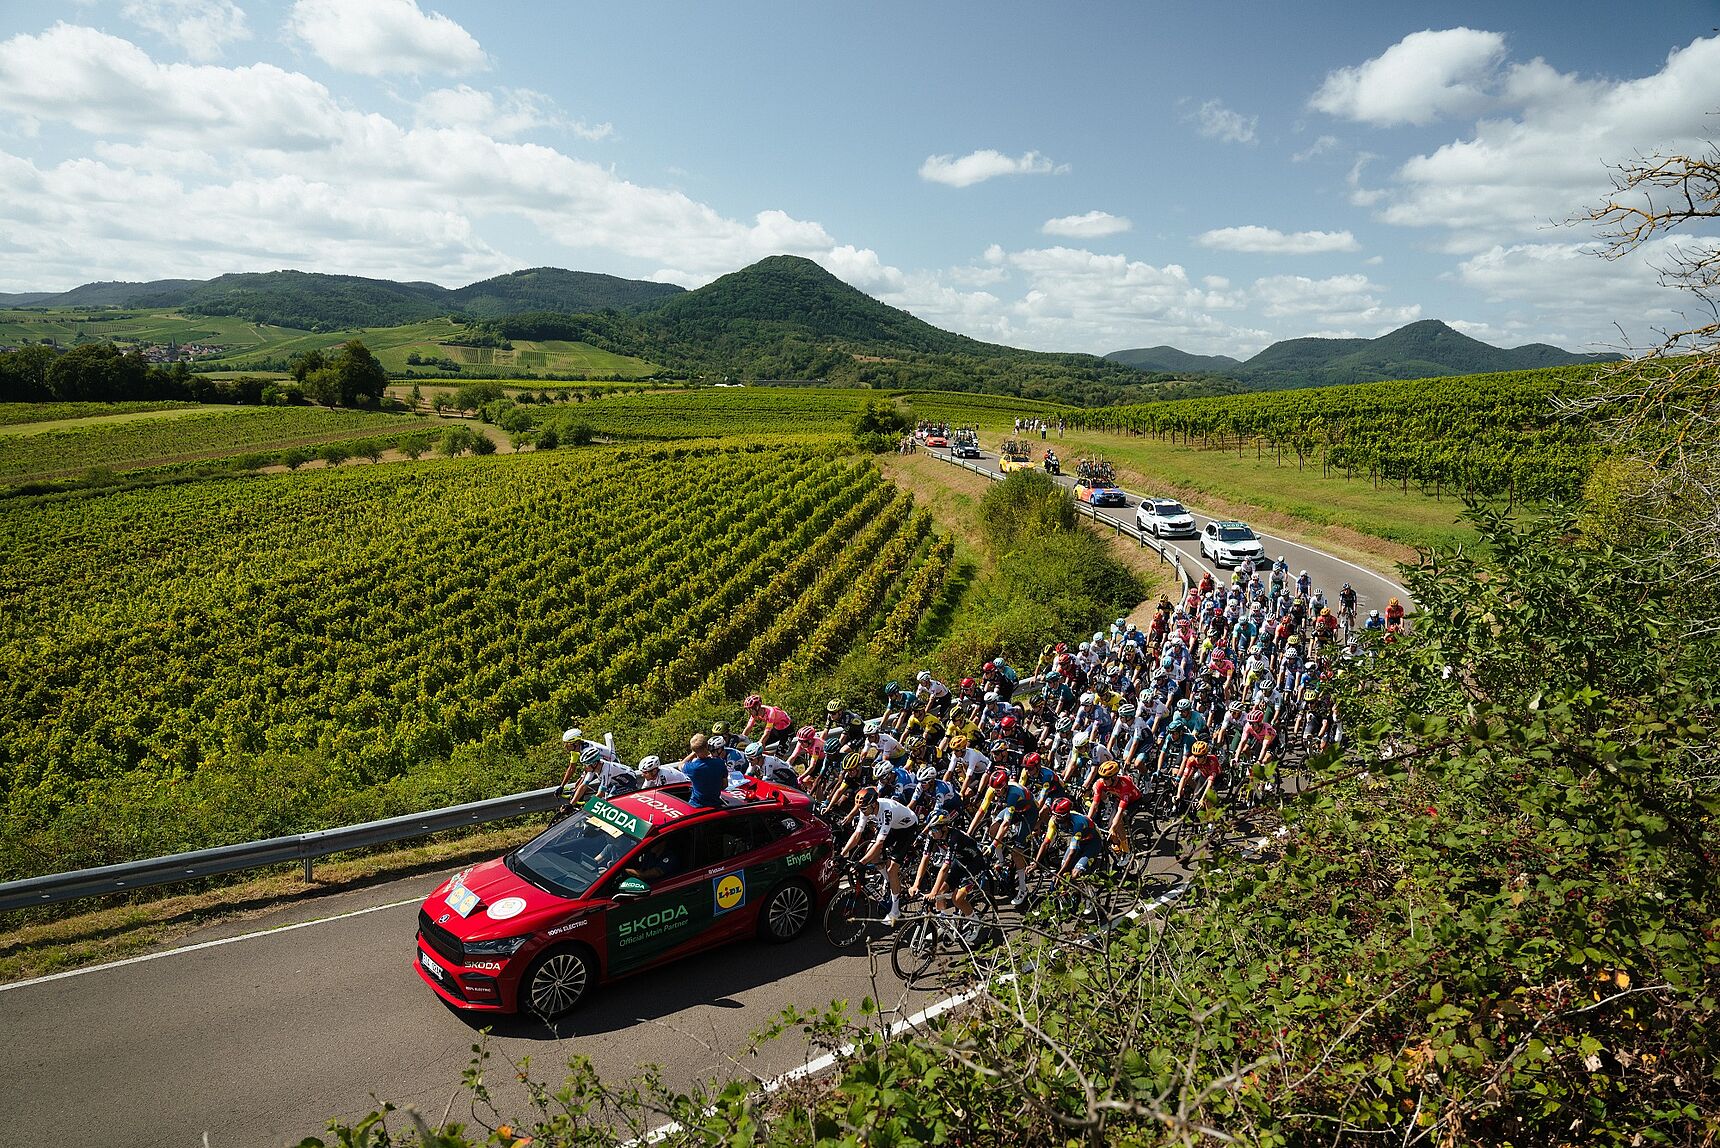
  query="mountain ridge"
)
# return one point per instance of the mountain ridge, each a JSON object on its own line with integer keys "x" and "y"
{"x": 1425, "y": 348}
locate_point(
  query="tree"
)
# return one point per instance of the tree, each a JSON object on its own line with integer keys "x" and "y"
{"x": 361, "y": 380}
{"x": 295, "y": 458}
{"x": 334, "y": 453}
{"x": 880, "y": 424}
{"x": 1663, "y": 406}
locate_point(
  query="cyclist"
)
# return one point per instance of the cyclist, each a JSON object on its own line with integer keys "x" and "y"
{"x": 597, "y": 774}
{"x": 897, "y": 828}
{"x": 958, "y": 861}
{"x": 1114, "y": 783}
{"x": 769, "y": 766}
{"x": 808, "y": 752}
{"x": 1186, "y": 726}
{"x": 576, "y": 743}
{"x": 1016, "y": 817}
{"x": 1394, "y": 613}
{"x": 1257, "y": 733}
{"x": 653, "y": 773}
{"x": 1085, "y": 844}
{"x": 1347, "y": 605}
{"x": 1374, "y": 622}
{"x": 935, "y": 693}
{"x": 1203, "y": 764}
{"x": 1326, "y": 625}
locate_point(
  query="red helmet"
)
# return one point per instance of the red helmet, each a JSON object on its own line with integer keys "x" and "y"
{"x": 989, "y": 668}
{"x": 752, "y": 703}
{"x": 1030, "y": 761}
{"x": 967, "y": 683}
{"x": 998, "y": 779}
{"x": 1062, "y": 807}
{"x": 1062, "y": 647}
{"x": 1007, "y": 723}
{"x": 807, "y": 733}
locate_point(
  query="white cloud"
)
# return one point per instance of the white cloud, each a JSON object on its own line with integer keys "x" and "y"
{"x": 506, "y": 114}
{"x": 202, "y": 28}
{"x": 1319, "y": 147}
{"x": 1270, "y": 241}
{"x": 1338, "y": 301}
{"x": 1215, "y": 121}
{"x": 978, "y": 166}
{"x": 1359, "y": 195}
{"x": 378, "y": 37}
{"x": 1422, "y": 77}
{"x": 1092, "y": 225}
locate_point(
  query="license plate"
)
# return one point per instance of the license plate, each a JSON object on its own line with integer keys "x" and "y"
{"x": 430, "y": 966}
{"x": 462, "y": 900}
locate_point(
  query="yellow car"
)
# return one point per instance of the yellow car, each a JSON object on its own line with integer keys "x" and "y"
{"x": 1015, "y": 455}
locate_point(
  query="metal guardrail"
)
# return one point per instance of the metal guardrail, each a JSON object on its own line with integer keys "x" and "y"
{"x": 127, "y": 876}
{"x": 1168, "y": 553}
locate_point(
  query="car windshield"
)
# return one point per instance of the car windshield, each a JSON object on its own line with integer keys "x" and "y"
{"x": 1169, "y": 509}
{"x": 1235, "y": 533}
{"x": 569, "y": 858}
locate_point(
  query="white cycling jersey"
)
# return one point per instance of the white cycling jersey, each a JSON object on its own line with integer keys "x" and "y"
{"x": 893, "y": 815}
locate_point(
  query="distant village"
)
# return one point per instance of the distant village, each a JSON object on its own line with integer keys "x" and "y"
{"x": 160, "y": 352}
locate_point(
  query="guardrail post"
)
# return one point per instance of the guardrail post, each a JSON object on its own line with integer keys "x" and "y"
{"x": 308, "y": 863}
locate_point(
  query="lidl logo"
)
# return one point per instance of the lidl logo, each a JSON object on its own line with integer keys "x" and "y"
{"x": 731, "y": 891}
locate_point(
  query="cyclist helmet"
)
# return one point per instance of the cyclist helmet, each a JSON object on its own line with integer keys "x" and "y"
{"x": 834, "y": 706}
{"x": 1393, "y": 602}
{"x": 1311, "y": 665}
{"x": 941, "y": 822}
{"x": 1030, "y": 761}
{"x": 913, "y": 743}
{"x": 1099, "y": 635}
{"x": 927, "y": 774}
{"x": 1184, "y": 705}
{"x": 571, "y": 735}
{"x": 754, "y": 749}
{"x": 807, "y": 733}
{"x": 1346, "y": 585}
{"x": 992, "y": 697}
{"x": 1082, "y": 648}
{"x": 719, "y": 728}
{"x": 1257, "y": 715}
{"x": 1326, "y": 612}
{"x": 650, "y": 763}
{"x": 1301, "y": 574}
{"x": 916, "y": 702}
{"x": 998, "y": 779}
{"x": 1200, "y": 748}
{"x": 717, "y": 741}
{"x": 1126, "y": 712}
{"x": 590, "y": 755}
{"x": 866, "y": 797}
{"x": 959, "y": 742}
{"x": 1007, "y": 724}
{"x": 1065, "y": 724}
{"x": 989, "y": 668}
{"x": 1089, "y": 698}
{"x": 1062, "y": 808}
{"x": 967, "y": 683}
{"x": 882, "y": 770}
{"x": 891, "y": 689}
{"x": 1108, "y": 768}
{"x": 752, "y": 703}
{"x": 1373, "y": 613}
{"x": 923, "y": 676}
{"x": 852, "y": 763}
{"x": 999, "y": 748}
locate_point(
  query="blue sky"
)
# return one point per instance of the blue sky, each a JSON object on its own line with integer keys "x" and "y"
{"x": 1062, "y": 177}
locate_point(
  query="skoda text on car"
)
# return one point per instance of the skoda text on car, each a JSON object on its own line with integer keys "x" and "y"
{"x": 619, "y": 886}
{"x": 1165, "y": 518}
{"x": 1232, "y": 544}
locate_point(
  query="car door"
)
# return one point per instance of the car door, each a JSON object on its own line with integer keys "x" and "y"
{"x": 741, "y": 858}
{"x": 672, "y": 918}
{"x": 1207, "y": 538}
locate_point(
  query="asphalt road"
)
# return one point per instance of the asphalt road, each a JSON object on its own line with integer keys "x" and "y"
{"x": 258, "y": 1041}
{"x": 256, "y": 1034}
{"x": 1373, "y": 590}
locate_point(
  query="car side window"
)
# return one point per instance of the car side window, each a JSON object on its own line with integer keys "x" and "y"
{"x": 722, "y": 841}
{"x": 666, "y": 858}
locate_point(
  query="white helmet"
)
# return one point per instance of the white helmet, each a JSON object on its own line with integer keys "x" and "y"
{"x": 717, "y": 741}
{"x": 650, "y": 763}
{"x": 1301, "y": 574}
{"x": 1089, "y": 698}
{"x": 1098, "y": 635}
{"x": 923, "y": 676}
{"x": 1082, "y": 647}
{"x": 991, "y": 696}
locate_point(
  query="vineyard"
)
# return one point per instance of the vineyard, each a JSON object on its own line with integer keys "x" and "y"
{"x": 723, "y": 411}
{"x": 1496, "y": 435}
{"x": 212, "y": 432}
{"x": 988, "y": 411}
{"x": 22, "y": 414}
{"x": 220, "y": 661}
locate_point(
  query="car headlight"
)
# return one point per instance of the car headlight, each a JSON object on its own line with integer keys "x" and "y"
{"x": 501, "y": 947}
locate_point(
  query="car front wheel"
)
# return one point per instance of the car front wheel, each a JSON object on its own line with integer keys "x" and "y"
{"x": 786, "y": 913}
{"x": 557, "y": 981}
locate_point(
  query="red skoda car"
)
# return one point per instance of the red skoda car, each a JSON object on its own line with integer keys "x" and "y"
{"x": 619, "y": 886}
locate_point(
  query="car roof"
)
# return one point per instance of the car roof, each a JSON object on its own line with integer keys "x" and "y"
{"x": 664, "y": 806}
{"x": 1164, "y": 502}
{"x": 1238, "y": 525}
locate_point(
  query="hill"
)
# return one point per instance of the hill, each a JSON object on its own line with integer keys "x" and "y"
{"x": 1168, "y": 358}
{"x": 1419, "y": 350}
{"x": 552, "y": 289}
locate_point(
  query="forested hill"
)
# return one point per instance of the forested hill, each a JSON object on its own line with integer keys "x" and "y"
{"x": 1420, "y": 350}
{"x": 309, "y": 301}
{"x": 786, "y": 319}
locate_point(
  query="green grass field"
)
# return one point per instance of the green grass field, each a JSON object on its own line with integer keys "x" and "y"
{"x": 35, "y": 414}
{"x": 143, "y": 439}
{"x": 70, "y": 327}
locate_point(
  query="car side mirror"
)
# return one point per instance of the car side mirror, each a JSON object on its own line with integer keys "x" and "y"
{"x": 630, "y": 889}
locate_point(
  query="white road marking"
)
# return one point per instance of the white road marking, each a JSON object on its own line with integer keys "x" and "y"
{"x": 274, "y": 932}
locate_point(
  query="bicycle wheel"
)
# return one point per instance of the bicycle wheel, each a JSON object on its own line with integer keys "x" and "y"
{"x": 845, "y": 921}
{"x": 916, "y": 949}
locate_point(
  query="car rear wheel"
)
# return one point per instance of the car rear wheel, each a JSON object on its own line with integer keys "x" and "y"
{"x": 786, "y": 913}
{"x": 557, "y": 981}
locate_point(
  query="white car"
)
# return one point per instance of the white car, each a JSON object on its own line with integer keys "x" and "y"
{"x": 1165, "y": 518}
{"x": 1232, "y": 544}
